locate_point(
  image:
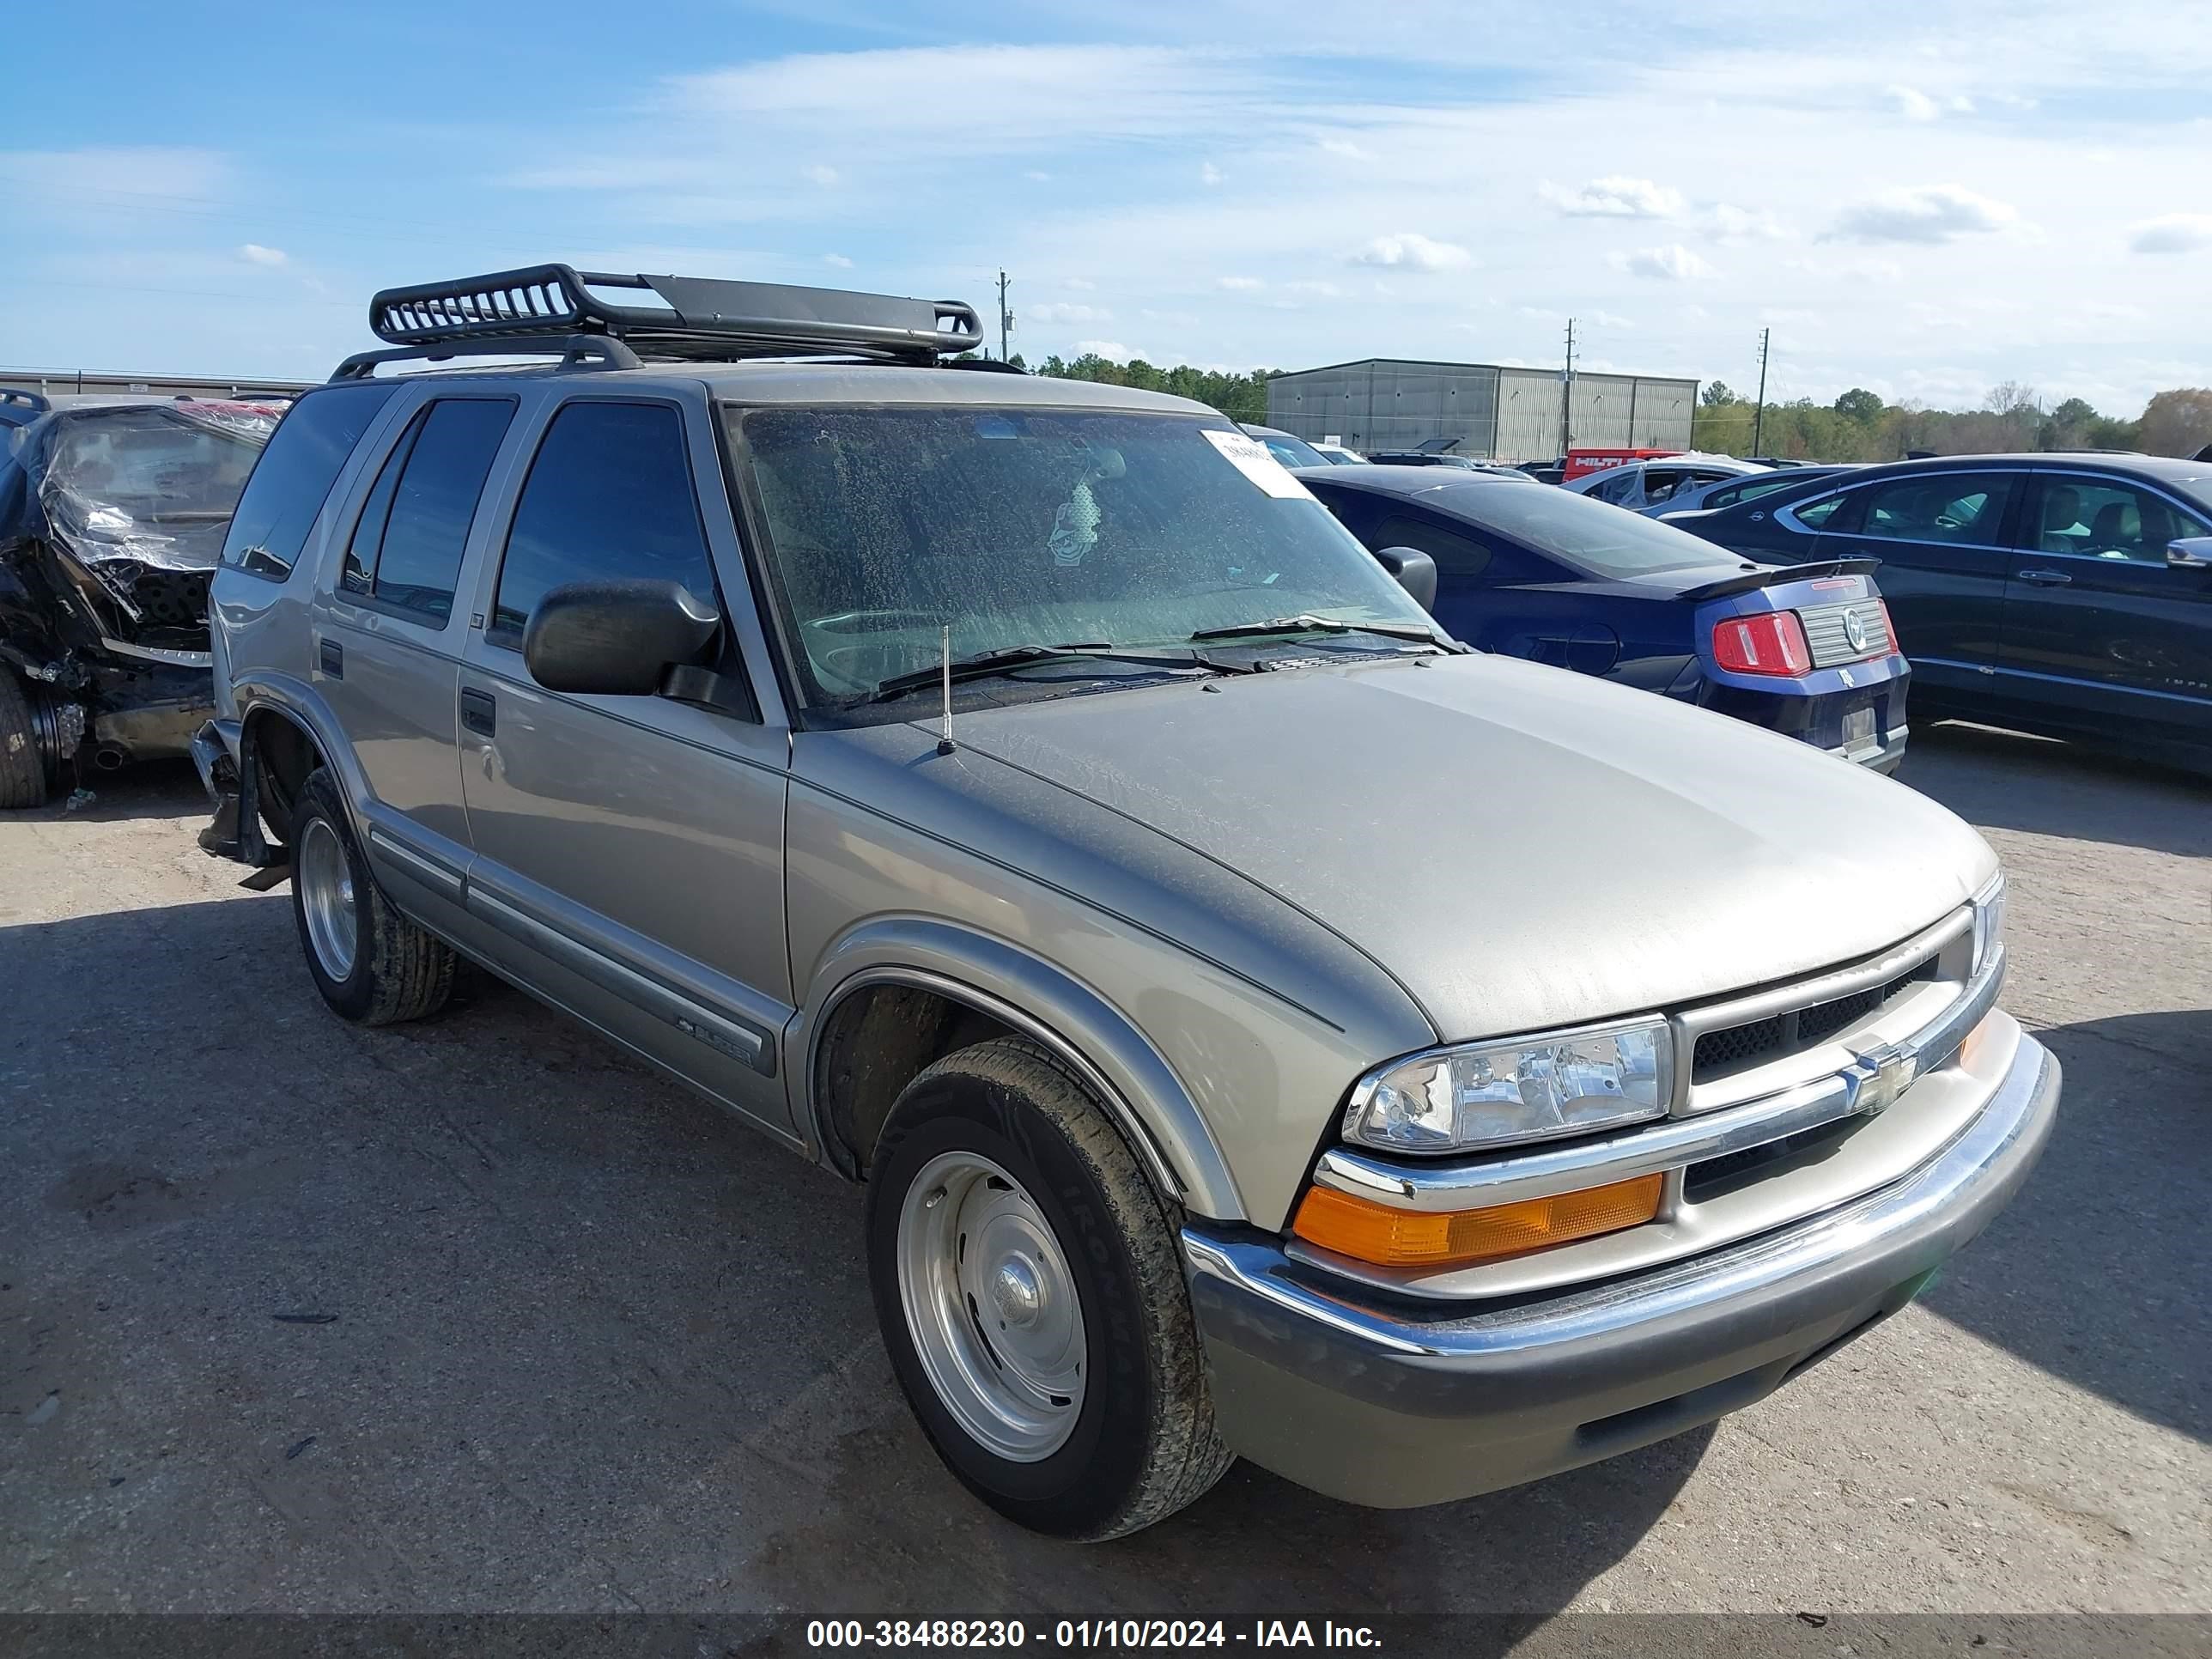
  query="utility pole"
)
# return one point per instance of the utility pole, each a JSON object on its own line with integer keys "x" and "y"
{"x": 1567, "y": 393}
{"x": 1005, "y": 321}
{"x": 1759, "y": 414}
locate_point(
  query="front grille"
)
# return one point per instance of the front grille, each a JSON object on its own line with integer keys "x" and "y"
{"x": 1733, "y": 1047}
{"x": 1828, "y": 632}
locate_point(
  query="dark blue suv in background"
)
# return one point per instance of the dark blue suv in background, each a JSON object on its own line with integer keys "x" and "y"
{"x": 1558, "y": 578}
{"x": 2070, "y": 595}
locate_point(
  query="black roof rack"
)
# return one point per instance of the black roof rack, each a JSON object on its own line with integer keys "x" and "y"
{"x": 550, "y": 309}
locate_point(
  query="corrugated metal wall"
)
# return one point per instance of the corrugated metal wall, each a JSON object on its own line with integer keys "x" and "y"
{"x": 1385, "y": 404}
{"x": 1601, "y": 413}
{"x": 1662, "y": 413}
{"x": 1527, "y": 414}
{"x": 1509, "y": 413}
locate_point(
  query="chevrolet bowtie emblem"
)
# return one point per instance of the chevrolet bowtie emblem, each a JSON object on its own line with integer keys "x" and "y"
{"x": 1878, "y": 1077}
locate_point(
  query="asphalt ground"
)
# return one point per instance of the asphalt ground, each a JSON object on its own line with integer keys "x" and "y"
{"x": 477, "y": 1314}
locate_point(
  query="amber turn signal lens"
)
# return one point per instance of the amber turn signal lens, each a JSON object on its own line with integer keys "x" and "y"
{"x": 1361, "y": 1227}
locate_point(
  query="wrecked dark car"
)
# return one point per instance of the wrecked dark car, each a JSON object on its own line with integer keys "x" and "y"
{"x": 112, "y": 518}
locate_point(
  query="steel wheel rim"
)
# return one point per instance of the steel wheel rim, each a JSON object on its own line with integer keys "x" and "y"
{"x": 991, "y": 1306}
{"x": 327, "y": 898}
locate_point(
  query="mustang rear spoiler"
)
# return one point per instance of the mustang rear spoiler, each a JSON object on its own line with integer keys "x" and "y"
{"x": 1766, "y": 577}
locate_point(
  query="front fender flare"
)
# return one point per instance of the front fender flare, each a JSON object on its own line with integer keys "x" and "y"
{"x": 1133, "y": 1079}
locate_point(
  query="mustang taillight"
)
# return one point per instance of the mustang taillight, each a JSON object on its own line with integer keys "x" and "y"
{"x": 1772, "y": 644}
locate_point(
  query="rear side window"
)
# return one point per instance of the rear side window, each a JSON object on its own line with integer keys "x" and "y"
{"x": 609, "y": 498}
{"x": 1616, "y": 488}
{"x": 1963, "y": 508}
{"x": 296, "y": 473}
{"x": 407, "y": 547}
{"x": 1819, "y": 512}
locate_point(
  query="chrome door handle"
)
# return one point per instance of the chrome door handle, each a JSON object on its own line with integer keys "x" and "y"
{"x": 2045, "y": 578}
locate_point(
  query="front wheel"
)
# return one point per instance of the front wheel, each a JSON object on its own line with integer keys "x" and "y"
{"x": 1031, "y": 1296}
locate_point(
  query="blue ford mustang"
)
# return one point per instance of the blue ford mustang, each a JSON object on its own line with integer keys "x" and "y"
{"x": 1560, "y": 579}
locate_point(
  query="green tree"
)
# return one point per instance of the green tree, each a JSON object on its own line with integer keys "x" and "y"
{"x": 2177, "y": 422}
{"x": 1859, "y": 405}
{"x": 1718, "y": 395}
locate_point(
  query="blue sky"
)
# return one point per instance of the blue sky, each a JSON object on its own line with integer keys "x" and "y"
{"x": 1923, "y": 198}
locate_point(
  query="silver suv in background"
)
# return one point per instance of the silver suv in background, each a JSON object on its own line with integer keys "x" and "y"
{"x": 1263, "y": 1026}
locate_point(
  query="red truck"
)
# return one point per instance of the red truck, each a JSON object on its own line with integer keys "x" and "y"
{"x": 1581, "y": 461}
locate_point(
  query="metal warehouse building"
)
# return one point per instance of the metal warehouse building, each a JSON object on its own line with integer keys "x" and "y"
{"x": 1508, "y": 414}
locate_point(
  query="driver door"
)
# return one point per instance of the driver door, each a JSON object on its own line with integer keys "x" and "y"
{"x": 629, "y": 850}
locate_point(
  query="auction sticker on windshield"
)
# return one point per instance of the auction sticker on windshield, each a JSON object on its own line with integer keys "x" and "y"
{"x": 1251, "y": 456}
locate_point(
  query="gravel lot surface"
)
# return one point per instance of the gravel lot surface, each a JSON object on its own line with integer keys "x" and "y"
{"x": 479, "y": 1315}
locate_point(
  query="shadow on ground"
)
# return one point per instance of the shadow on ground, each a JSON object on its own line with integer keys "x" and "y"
{"x": 152, "y": 789}
{"x": 2097, "y": 1270}
{"x": 2008, "y": 781}
{"x": 475, "y": 1312}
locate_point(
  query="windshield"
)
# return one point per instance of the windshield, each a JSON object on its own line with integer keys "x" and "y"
{"x": 1033, "y": 527}
{"x": 1291, "y": 451}
{"x": 1591, "y": 534}
{"x": 160, "y": 464}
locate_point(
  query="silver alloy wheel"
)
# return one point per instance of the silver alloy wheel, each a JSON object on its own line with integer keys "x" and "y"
{"x": 991, "y": 1306}
{"x": 326, "y": 878}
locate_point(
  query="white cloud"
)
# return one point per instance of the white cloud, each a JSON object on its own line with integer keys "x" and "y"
{"x": 819, "y": 174}
{"x": 1672, "y": 263}
{"x": 1037, "y": 174}
{"x": 1238, "y": 284}
{"x": 1610, "y": 320}
{"x": 254, "y": 254}
{"x": 1061, "y": 311}
{"x": 1320, "y": 290}
{"x": 1616, "y": 196}
{"x": 1869, "y": 270}
{"x": 1914, "y": 105}
{"x": 1209, "y": 174}
{"x": 1347, "y": 149}
{"x": 1927, "y": 214}
{"x": 2171, "y": 232}
{"x": 1079, "y": 284}
{"x": 1411, "y": 250}
{"x": 1113, "y": 350}
{"x": 838, "y": 260}
{"x": 1726, "y": 222}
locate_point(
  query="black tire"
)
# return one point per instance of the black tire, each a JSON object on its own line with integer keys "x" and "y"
{"x": 1145, "y": 1443}
{"x": 399, "y": 972}
{"x": 24, "y": 777}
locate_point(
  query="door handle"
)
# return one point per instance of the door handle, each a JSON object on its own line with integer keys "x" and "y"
{"x": 479, "y": 713}
{"x": 2045, "y": 578}
{"x": 333, "y": 659}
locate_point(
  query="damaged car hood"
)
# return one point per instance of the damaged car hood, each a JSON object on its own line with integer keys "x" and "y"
{"x": 112, "y": 520}
{"x": 1516, "y": 846}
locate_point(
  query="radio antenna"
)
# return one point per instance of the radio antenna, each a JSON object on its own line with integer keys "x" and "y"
{"x": 944, "y": 656}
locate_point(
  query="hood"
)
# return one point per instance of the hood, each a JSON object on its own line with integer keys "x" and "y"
{"x": 1518, "y": 847}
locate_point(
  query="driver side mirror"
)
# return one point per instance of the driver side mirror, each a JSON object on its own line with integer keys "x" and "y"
{"x": 2189, "y": 553}
{"x": 1415, "y": 570}
{"x": 616, "y": 638}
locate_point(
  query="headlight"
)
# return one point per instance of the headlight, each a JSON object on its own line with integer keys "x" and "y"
{"x": 1533, "y": 1088}
{"x": 1989, "y": 920}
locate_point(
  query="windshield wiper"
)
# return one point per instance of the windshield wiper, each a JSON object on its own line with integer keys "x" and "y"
{"x": 1307, "y": 623}
{"x": 1006, "y": 657}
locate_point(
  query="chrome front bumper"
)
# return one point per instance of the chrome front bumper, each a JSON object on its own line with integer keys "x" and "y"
{"x": 1362, "y": 1400}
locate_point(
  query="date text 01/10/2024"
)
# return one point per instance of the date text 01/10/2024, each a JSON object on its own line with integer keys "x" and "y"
{"x": 1085, "y": 1633}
